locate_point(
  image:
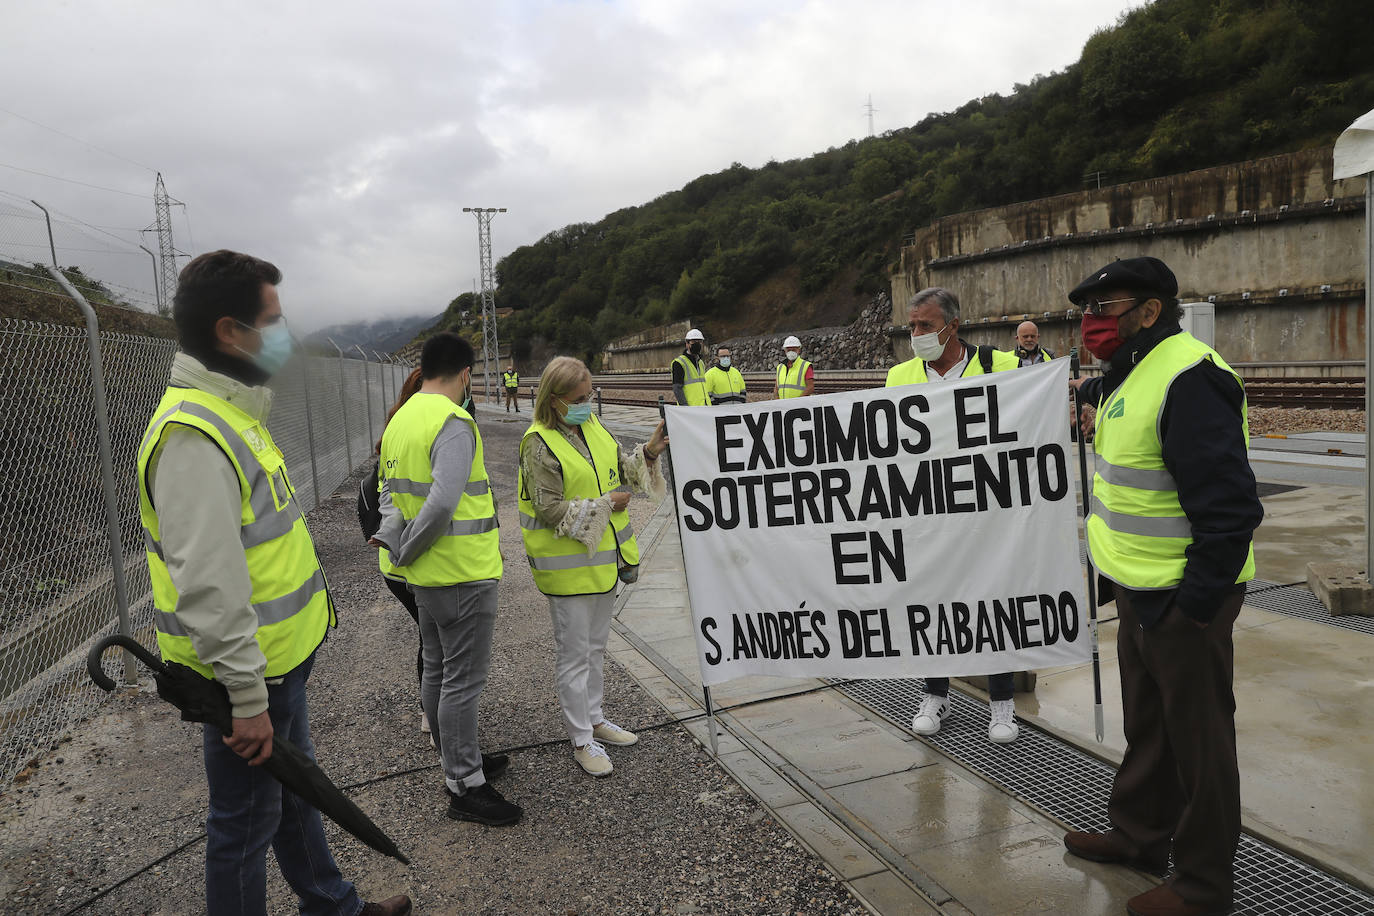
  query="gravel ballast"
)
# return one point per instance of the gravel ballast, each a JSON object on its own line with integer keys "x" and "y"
{"x": 669, "y": 832}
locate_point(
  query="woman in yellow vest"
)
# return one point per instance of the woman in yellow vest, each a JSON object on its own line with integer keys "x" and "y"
{"x": 579, "y": 542}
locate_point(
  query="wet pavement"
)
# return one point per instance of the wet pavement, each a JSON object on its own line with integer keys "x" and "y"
{"x": 913, "y": 830}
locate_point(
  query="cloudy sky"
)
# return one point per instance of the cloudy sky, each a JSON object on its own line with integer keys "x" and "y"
{"x": 341, "y": 140}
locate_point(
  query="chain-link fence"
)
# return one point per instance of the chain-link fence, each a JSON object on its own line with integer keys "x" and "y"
{"x": 57, "y": 591}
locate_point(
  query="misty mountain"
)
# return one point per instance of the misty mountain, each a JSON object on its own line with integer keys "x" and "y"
{"x": 384, "y": 335}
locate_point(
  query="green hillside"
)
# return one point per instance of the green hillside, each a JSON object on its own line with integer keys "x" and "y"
{"x": 1172, "y": 86}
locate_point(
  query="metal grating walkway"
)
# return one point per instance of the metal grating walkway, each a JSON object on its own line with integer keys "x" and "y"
{"x": 1072, "y": 788}
{"x": 1298, "y": 601}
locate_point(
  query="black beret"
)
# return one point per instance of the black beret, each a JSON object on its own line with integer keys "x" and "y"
{"x": 1135, "y": 275}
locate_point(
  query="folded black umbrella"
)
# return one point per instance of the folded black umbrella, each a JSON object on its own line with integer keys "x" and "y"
{"x": 201, "y": 699}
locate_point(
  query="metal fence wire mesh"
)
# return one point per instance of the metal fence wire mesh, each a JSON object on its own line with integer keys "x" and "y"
{"x": 56, "y": 582}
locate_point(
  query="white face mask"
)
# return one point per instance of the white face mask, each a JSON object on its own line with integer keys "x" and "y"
{"x": 928, "y": 346}
{"x": 792, "y": 355}
{"x": 725, "y": 362}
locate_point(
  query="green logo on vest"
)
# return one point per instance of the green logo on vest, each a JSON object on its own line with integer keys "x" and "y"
{"x": 1116, "y": 410}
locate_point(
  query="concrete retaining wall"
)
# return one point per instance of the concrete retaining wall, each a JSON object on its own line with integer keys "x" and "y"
{"x": 1276, "y": 243}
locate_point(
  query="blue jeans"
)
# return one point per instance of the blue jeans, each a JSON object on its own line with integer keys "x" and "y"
{"x": 249, "y": 810}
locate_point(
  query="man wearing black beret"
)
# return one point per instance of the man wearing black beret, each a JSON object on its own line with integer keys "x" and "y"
{"x": 1174, "y": 508}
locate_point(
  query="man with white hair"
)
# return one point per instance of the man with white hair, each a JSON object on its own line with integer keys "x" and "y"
{"x": 942, "y": 355}
{"x": 689, "y": 372}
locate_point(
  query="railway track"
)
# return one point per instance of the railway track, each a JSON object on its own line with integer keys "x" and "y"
{"x": 1339, "y": 393}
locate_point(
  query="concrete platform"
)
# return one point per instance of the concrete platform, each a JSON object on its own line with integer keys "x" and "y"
{"x": 913, "y": 831}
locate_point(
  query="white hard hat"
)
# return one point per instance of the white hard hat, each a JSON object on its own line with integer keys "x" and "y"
{"x": 791, "y": 343}
{"x": 694, "y": 334}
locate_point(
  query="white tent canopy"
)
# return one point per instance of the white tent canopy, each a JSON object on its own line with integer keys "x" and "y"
{"x": 1354, "y": 152}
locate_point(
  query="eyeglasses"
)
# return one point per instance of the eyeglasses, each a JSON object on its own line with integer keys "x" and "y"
{"x": 582, "y": 400}
{"x": 1095, "y": 306}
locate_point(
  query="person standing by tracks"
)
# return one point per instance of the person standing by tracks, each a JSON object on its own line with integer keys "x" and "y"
{"x": 796, "y": 378}
{"x": 1174, "y": 509}
{"x": 689, "y": 372}
{"x": 579, "y": 542}
{"x": 511, "y": 380}
{"x": 724, "y": 383}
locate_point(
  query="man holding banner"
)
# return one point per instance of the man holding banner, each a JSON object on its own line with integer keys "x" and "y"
{"x": 931, "y": 313}
{"x": 832, "y": 536}
{"x": 1174, "y": 508}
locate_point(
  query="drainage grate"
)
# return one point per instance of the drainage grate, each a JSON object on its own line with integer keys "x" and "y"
{"x": 1264, "y": 488}
{"x": 1298, "y": 601}
{"x": 1072, "y": 788}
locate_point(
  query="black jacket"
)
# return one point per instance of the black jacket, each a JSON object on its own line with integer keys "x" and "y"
{"x": 1204, "y": 449}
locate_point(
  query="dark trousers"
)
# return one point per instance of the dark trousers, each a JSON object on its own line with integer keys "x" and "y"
{"x": 1000, "y": 686}
{"x": 403, "y": 595}
{"x": 513, "y": 397}
{"x": 249, "y": 811}
{"x": 1179, "y": 779}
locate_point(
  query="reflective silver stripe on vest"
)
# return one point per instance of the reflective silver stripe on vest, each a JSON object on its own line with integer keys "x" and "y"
{"x": 152, "y": 545}
{"x": 420, "y": 488}
{"x": 270, "y": 527}
{"x": 794, "y": 387}
{"x": 573, "y": 561}
{"x": 1172, "y": 526}
{"x": 472, "y": 525}
{"x": 694, "y": 381}
{"x": 269, "y": 612}
{"x": 624, "y": 534}
{"x": 530, "y": 523}
{"x": 1139, "y": 478}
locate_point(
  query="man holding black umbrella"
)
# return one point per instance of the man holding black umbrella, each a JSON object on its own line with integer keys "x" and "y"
{"x": 239, "y": 593}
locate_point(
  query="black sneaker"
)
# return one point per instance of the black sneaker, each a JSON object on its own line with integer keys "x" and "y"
{"x": 483, "y": 805}
{"x": 493, "y": 765}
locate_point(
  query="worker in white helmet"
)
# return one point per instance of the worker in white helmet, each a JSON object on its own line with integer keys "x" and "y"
{"x": 795, "y": 376}
{"x": 689, "y": 372}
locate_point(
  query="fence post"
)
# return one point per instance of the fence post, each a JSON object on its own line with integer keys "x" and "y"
{"x": 598, "y": 402}
{"x": 309, "y": 420}
{"x": 383, "y": 370}
{"x": 102, "y": 432}
{"x": 343, "y": 405}
{"x": 367, "y": 386}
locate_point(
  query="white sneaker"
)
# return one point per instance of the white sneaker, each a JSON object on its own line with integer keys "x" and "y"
{"x": 933, "y": 711}
{"x": 593, "y": 758}
{"x": 424, "y": 723}
{"x": 607, "y": 732}
{"x": 1002, "y": 729}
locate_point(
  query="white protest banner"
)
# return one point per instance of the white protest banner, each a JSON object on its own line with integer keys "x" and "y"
{"x": 896, "y": 532}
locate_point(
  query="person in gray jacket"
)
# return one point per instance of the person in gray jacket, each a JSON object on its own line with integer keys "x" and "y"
{"x": 203, "y": 470}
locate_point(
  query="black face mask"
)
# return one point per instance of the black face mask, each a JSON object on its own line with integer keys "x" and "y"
{"x": 695, "y": 349}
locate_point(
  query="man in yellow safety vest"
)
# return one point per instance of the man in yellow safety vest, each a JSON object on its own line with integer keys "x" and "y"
{"x": 439, "y": 534}
{"x": 1028, "y": 350}
{"x": 689, "y": 372}
{"x": 941, "y": 355}
{"x": 238, "y": 591}
{"x": 724, "y": 383}
{"x": 511, "y": 379}
{"x": 1174, "y": 508}
{"x": 796, "y": 378}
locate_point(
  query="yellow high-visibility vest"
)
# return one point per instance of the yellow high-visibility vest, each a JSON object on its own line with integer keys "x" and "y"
{"x": 470, "y": 550}
{"x": 289, "y": 592}
{"x": 512, "y": 379}
{"x": 693, "y": 381}
{"x": 1137, "y": 533}
{"x": 560, "y": 564}
{"x": 792, "y": 381}
{"x": 913, "y": 371}
{"x": 725, "y": 386}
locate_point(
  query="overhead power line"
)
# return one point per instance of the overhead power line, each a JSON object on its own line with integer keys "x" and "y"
{"x": 87, "y": 143}
{"x": 83, "y": 184}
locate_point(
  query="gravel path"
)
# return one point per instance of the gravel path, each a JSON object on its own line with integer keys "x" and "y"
{"x": 669, "y": 832}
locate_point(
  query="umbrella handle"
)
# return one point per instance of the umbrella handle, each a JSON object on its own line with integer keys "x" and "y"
{"x": 97, "y": 673}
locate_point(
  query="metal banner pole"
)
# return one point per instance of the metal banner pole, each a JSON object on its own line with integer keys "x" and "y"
{"x": 1098, "y": 726}
{"x": 672, "y": 486}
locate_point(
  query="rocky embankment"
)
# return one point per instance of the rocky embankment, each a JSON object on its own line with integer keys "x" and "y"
{"x": 863, "y": 344}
